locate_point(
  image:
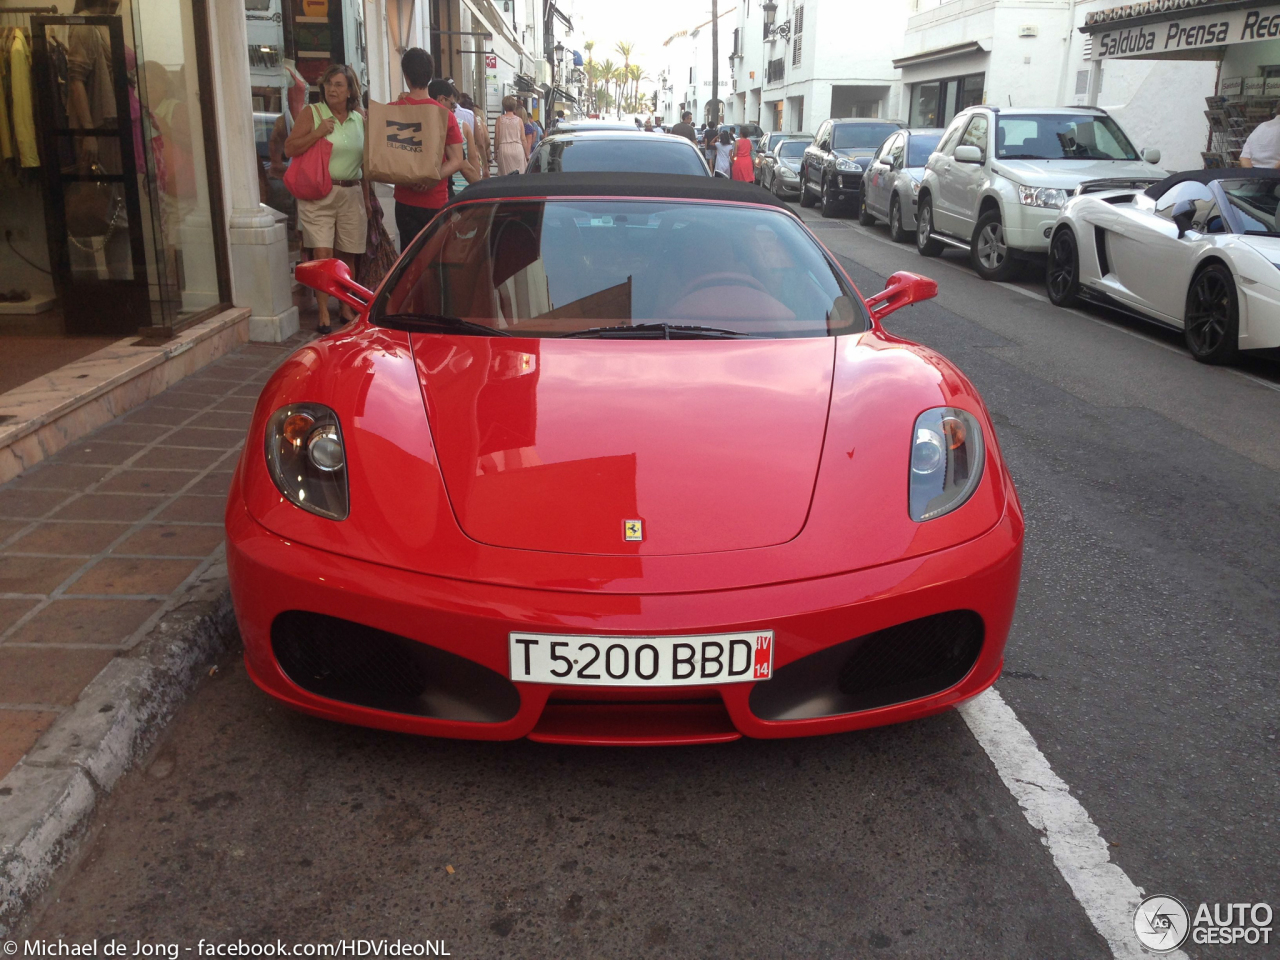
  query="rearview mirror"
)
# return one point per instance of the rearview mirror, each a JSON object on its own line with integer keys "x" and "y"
{"x": 333, "y": 277}
{"x": 968, "y": 153}
{"x": 1151, "y": 155}
{"x": 900, "y": 290}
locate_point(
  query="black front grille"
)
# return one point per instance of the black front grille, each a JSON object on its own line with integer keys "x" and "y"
{"x": 904, "y": 662}
{"x": 935, "y": 651}
{"x": 353, "y": 663}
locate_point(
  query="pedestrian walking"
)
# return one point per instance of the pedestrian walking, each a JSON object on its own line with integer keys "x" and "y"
{"x": 444, "y": 92}
{"x": 1262, "y": 149}
{"x": 724, "y": 155}
{"x": 416, "y": 204}
{"x": 648, "y": 126}
{"x": 481, "y": 130}
{"x": 743, "y": 168}
{"x": 685, "y": 128}
{"x": 509, "y": 139}
{"x": 337, "y": 223}
{"x": 530, "y": 131}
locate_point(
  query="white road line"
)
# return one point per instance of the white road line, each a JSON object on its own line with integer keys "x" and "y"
{"x": 1107, "y": 894}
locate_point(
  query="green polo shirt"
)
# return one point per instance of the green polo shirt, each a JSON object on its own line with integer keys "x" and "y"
{"x": 348, "y": 143}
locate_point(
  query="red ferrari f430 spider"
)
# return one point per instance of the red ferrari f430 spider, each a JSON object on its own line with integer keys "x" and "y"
{"x": 621, "y": 459}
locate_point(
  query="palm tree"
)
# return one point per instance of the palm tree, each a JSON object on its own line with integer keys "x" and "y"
{"x": 607, "y": 70}
{"x": 635, "y": 73}
{"x": 624, "y": 47}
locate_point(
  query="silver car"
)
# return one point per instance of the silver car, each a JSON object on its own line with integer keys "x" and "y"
{"x": 780, "y": 169}
{"x": 765, "y": 155}
{"x": 891, "y": 182}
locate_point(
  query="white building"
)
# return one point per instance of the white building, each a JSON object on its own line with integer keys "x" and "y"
{"x": 1030, "y": 53}
{"x": 820, "y": 59}
{"x": 684, "y": 76}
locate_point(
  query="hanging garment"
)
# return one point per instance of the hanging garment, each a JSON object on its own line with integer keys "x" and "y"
{"x": 24, "y": 120}
{"x": 6, "y": 136}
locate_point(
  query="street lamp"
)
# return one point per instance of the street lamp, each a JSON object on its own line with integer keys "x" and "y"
{"x": 771, "y": 32}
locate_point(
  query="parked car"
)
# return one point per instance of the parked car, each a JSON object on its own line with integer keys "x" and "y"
{"x": 781, "y": 169}
{"x": 831, "y": 171}
{"x": 891, "y": 183}
{"x": 1197, "y": 252}
{"x": 633, "y": 151}
{"x": 764, "y": 152}
{"x": 999, "y": 177}
{"x": 587, "y": 123}
{"x": 751, "y": 131}
{"x": 579, "y": 472}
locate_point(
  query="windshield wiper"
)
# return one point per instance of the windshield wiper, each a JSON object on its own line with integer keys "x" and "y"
{"x": 1027, "y": 156}
{"x": 668, "y": 331}
{"x": 1261, "y": 233}
{"x": 437, "y": 323}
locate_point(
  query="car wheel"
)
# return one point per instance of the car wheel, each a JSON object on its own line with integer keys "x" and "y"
{"x": 926, "y": 245}
{"x": 896, "y": 233}
{"x": 828, "y": 209}
{"x": 805, "y": 199}
{"x": 1062, "y": 274}
{"x": 864, "y": 215}
{"x": 773, "y": 188}
{"x": 989, "y": 253}
{"x": 1212, "y": 323}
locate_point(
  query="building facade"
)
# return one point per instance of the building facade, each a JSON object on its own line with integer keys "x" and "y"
{"x": 796, "y": 63}
{"x": 1030, "y": 53}
{"x": 684, "y": 78}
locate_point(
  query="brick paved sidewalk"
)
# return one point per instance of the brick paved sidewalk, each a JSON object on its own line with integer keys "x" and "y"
{"x": 102, "y": 538}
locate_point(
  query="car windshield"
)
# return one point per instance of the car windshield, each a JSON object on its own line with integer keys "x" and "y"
{"x": 1254, "y": 203}
{"x": 561, "y": 267}
{"x": 792, "y": 148}
{"x": 862, "y": 136}
{"x": 1062, "y": 137}
{"x": 920, "y": 146}
{"x": 633, "y": 154}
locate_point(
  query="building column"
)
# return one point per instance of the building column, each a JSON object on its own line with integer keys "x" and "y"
{"x": 257, "y": 238}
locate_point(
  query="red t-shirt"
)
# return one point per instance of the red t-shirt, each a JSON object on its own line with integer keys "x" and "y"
{"x": 437, "y": 196}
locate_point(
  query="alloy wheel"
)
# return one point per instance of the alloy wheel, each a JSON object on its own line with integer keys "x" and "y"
{"x": 991, "y": 247}
{"x": 1061, "y": 275}
{"x": 1208, "y": 313}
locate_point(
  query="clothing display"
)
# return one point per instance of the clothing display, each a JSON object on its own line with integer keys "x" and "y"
{"x": 17, "y": 108}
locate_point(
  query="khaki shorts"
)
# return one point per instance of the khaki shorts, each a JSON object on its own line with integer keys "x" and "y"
{"x": 337, "y": 221}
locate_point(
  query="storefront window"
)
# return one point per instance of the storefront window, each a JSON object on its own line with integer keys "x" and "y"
{"x": 934, "y": 103}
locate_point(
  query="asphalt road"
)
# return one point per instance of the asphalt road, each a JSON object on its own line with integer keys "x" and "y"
{"x": 1144, "y": 661}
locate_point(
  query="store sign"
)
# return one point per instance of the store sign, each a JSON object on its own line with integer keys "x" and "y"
{"x": 1189, "y": 33}
{"x": 491, "y": 61}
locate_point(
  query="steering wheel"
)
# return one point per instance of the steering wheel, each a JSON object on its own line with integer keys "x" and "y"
{"x": 721, "y": 279}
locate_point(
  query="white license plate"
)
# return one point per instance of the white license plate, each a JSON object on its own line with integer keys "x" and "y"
{"x": 642, "y": 661}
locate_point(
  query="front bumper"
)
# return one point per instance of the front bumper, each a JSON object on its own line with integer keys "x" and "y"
{"x": 1026, "y": 228}
{"x": 471, "y": 621}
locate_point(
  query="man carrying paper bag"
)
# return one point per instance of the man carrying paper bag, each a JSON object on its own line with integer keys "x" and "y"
{"x": 415, "y": 144}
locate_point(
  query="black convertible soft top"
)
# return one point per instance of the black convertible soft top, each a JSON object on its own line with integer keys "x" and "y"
{"x": 1157, "y": 190}
{"x": 612, "y": 184}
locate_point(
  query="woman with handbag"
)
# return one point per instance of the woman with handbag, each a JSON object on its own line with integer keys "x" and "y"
{"x": 336, "y": 222}
{"x": 508, "y": 135}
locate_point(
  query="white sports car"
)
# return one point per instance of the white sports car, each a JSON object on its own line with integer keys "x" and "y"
{"x": 1198, "y": 251}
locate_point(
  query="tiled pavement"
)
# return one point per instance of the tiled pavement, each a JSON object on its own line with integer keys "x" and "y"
{"x": 100, "y": 539}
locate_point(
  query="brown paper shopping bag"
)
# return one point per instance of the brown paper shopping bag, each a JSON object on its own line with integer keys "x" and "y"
{"x": 404, "y": 143}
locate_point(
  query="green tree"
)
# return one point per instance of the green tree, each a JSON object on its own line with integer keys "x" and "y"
{"x": 624, "y": 47}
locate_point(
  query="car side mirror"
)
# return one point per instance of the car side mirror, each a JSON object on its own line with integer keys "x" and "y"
{"x": 333, "y": 277}
{"x": 1184, "y": 214}
{"x": 1151, "y": 155}
{"x": 900, "y": 290}
{"x": 968, "y": 153}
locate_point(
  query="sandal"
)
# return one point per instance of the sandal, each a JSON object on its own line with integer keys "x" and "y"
{"x": 323, "y": 331}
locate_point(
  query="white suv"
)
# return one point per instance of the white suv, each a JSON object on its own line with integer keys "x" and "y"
{"x": 999, "y": 177}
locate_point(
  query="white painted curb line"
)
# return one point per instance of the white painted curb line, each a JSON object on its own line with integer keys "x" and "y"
{"x": 1107, "y": 894}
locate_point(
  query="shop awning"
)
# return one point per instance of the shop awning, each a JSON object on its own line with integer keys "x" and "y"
{"x": 1180, "y": 29}
{"x": 943, "y": 53}
{"x": 563, "y": 96}
{"x": 525, "y": 84}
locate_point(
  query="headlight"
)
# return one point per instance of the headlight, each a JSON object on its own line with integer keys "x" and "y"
{"x": 1053, "y": 197}
{"x": 915, "y": 188}
{"x": 787, "y": 173}
{"x": 946, "y": 461}
{"x": 845, "y": 164}
{"x": 306, "y": 458}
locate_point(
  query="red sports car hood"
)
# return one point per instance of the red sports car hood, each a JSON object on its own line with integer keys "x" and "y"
{"x": 560, "y": 445}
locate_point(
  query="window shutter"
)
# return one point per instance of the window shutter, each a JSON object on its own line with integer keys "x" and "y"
{"x": 795, "y": 52}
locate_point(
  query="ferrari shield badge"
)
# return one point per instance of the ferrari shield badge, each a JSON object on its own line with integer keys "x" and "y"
{"x": 632, "y": 530}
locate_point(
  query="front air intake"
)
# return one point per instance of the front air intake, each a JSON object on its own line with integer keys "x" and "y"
{"x": 353, "y": 663}
{"x": 908, "y": 661}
